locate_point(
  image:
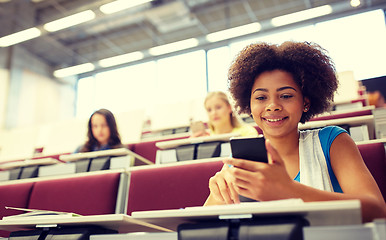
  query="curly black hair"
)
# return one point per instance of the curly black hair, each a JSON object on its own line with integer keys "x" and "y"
{"x": 308, "y": 63}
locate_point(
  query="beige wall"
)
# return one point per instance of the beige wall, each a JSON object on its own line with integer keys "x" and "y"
{"x": 30, "y": 95}
{"x": 4, "y": 85}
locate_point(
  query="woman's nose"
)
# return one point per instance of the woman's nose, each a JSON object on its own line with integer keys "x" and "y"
{"x": 273, "y": 106}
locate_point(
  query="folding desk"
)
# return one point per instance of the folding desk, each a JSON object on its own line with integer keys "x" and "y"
{"x": 194, "y": 148}
{"x": 118, "y": 222}
{"x": 342, "y": 212}
{"x": 317, "y": 213}
{"x": 104, "y": 153}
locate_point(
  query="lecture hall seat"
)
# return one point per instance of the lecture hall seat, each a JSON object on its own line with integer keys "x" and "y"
{"x": 170, "y": 187}
{"x": 14, "y": 195}
{"x": 344, "y": 115}
{"x": 85, "y": 195}
{"x": 148, "y": 149}
{"x": 373, "y": 155}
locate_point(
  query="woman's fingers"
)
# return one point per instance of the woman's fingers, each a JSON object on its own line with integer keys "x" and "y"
{"x": 221, "y": 187}
{"x": 224, "y": 191}
{"x": 273, "y": 155}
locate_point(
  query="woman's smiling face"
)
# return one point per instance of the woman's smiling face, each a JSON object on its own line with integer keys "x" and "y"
{"x": 277, "y": 103}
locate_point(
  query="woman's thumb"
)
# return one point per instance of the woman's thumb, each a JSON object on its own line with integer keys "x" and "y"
{"x": 273, "y": 155}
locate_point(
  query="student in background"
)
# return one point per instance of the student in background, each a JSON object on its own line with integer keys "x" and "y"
{"x": 376, "y": 99}
{"x": 102, "y": 132}
{"x": 282, "y": 85}
{"x": 222, "y": 119}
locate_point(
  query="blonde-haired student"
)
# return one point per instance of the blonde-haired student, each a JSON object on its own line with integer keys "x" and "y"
{"x": 222, "y": 118}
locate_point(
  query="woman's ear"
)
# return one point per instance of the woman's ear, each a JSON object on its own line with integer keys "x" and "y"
{"x": 307, "y": 104}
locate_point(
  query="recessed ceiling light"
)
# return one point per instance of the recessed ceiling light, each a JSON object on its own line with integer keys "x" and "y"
{"x": 69, "y": 21}
{"x": 233, "y": 32}
{"x": 120, "y": 5}
{"x": 19, "y": 37}
{"x": 173, "y": 47}
{"x": 301, "y": 16}
{"x": 74, "y": 70}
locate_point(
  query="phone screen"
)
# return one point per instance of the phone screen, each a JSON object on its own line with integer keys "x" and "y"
{"x": 249, "y": 148}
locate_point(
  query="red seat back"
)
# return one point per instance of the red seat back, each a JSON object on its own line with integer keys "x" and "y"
{"x": 14, "y": 195}
{"x": 148, "y": 149}
{"x": 374, "y": 157}
{"x": 85, "y": 195}
{"x": 170, "y": 187}
{"x": 343, "y": 115}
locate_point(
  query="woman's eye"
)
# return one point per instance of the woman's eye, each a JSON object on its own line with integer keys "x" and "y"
{"x": 287, "y": 96}
{"x": 260, "y": 98}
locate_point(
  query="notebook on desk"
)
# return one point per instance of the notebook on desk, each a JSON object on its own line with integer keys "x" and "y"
{"x": 317, "y": 213}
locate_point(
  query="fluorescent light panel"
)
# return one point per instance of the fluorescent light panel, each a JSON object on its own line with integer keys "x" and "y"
{"x": 125, "y": 58}
{"x": 301, "y": 16}
{"x": 173, "y": 47}
{"x": 120, "y": 5}
{"x": 19, "y": 37}
{"x": 69, "y": 21}
{"x": 74, "y": 70}
{"x": 233, "y": 32}
{"x": 355, "y": 3}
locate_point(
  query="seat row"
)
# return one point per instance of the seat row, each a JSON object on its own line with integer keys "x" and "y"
{"x": 113, "y": 191}
{"x": 169, "y": 186}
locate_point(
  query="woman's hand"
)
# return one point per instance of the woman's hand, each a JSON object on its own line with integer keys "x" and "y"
{"x": 221, "y": 188}
{"x": 200, "y": 134}
{"x": 261, "y": 181}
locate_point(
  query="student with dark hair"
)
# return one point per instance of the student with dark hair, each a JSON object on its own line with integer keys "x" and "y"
{"x": 280, "y": 86}
{"x": 102, "y": 132}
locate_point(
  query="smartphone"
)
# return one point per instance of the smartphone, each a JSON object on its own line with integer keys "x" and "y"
{"x": 249, "y": 148}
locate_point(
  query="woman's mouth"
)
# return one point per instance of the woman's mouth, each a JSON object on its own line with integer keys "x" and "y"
{"x": 274, "y": 120}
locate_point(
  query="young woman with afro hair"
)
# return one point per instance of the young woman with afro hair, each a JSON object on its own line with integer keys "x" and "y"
{"x": 280, "y": 86}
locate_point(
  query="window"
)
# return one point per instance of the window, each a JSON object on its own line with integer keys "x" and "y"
{"x": 127, "y": 88}
{"x": 181, "y": 77}
{"x": 85, "y": 97}
{"x": 356, "y": 43}
{"x": 219, "y": 61}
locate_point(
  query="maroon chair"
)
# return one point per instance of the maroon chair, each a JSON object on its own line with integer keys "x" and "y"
{"x": 14, "y": 195}
{"x": 374, "y": 157}
{"x": 170, "y": 187}
{"x": 85, "y": 195}
{"x": 362, "y": 100}
{"x": 343, "y": 115}
{"x": 148, "y": 149}
{"x": 130, "y": 146}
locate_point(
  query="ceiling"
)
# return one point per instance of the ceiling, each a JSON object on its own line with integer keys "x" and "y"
{"x": 145, "y": 26}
